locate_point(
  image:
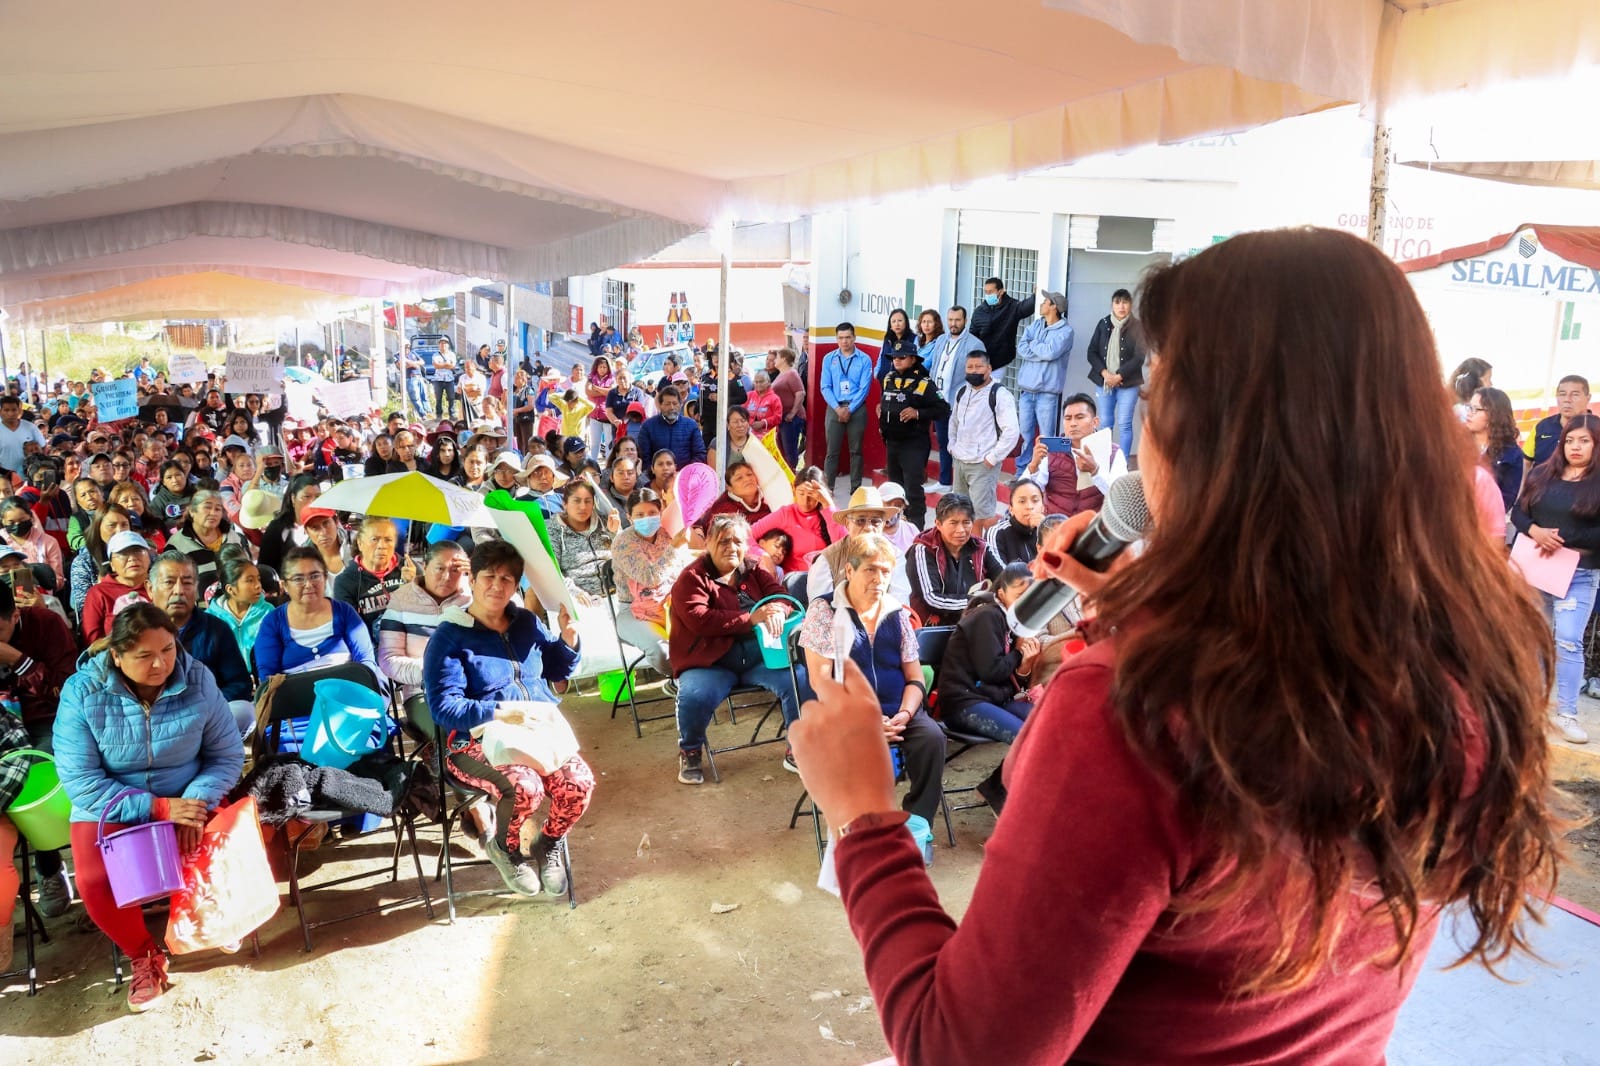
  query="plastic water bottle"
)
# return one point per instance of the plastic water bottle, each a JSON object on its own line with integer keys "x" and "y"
{"x": 11, "y": 706}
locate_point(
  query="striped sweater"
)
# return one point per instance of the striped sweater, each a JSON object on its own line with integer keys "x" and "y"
{"x": 404, "y": 629}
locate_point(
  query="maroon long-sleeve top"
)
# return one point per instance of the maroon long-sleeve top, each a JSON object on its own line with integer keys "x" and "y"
{"x": 1070, "y": 949}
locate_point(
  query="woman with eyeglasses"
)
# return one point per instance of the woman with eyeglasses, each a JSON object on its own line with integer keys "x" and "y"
{"x": 90, "y": 563}
{"x": 1494, "y": 430}
{"x": 312, "y": 630}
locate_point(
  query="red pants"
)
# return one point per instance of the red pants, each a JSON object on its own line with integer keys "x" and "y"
{"x": 517, "y": 791}
{"x": 124, "y": 925}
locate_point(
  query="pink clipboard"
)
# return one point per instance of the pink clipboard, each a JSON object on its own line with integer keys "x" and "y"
{"x": 1548, "y": 573}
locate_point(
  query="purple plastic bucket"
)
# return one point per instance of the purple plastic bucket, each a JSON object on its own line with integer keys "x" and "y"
{"x": 142, "y": 861}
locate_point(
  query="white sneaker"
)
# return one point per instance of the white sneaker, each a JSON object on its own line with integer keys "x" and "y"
{"x": 1567, "y": 725}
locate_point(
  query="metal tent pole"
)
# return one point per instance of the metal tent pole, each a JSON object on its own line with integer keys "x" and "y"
{"x": 722, "y": 370}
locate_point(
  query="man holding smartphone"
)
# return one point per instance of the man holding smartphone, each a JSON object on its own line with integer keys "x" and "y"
{"x": 1071, "y": 479}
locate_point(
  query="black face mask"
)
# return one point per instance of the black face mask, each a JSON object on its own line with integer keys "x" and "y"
{"x": 20, "y": 529}
{"x": 977, "y": 381}
{"x": 271, "y": 473}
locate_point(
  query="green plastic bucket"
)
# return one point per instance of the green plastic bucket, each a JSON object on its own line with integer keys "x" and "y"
{"x": 41, "y": 812}
{"x": 614, "y": 685}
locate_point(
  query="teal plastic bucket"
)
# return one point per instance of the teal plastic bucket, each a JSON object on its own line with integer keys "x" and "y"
{"x": 775, "y": 649}
{"x": 347, "y": 721}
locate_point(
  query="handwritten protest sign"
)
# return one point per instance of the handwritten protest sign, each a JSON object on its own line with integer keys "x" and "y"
{"x": 184, "y": 369}
{"x": 347, "y": 398}
{"x": 116, "y": 399}
{"x": 254, "y": 373}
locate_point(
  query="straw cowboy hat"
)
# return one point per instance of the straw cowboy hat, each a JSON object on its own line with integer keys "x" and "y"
{"x": 258, "y": 508}
{"x": 865, "y": 502}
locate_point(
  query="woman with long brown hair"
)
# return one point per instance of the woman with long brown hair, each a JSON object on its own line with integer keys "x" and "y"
{"x": 1313, "y": 717}
{"x": 1560, "y": 508}
{"x": 1494, "y": 429}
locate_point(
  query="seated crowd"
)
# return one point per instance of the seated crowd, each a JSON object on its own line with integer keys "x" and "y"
{"x": 158, "y": 576}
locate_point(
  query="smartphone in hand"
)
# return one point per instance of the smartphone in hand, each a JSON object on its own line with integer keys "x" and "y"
{"x": 1058, "y": 445}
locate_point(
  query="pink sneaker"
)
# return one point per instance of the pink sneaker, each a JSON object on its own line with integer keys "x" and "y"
{"x": 149, "y": 983}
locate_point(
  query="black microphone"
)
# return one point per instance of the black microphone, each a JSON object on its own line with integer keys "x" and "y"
{"x": 1122, "y": 520}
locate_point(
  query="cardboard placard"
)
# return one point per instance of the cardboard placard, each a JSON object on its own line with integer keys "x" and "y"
{"x": 254, "y": 373}
{"x": 117, "y": 399}
{"x": 185, "y": 369}
{"x": 346, "y": 399}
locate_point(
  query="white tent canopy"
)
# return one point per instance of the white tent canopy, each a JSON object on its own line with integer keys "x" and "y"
{"x": 371, "y": 150}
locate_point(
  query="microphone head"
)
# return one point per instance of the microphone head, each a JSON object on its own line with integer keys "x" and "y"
{"x": 1125, "y": 514}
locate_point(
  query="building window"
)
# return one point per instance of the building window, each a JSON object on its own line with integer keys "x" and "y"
{"x": 1017, "y": 267}
{"x": 494, "y": 313}
{"x": 473, "y": 306}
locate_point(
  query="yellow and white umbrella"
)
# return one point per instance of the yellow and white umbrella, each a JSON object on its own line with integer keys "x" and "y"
{"x": 412, "y": 495}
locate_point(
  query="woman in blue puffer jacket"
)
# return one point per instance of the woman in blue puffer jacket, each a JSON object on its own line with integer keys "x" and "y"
{"x": 140, "y": 714}
{"x": 480, "y": 658}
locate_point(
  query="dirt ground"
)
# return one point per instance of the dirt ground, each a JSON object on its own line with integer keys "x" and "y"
{"x": 642, "y": 970}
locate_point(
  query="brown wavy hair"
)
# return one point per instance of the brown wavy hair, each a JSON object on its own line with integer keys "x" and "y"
{"x": 1309, "y": 641}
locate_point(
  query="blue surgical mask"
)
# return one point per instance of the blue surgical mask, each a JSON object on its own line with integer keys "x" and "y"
{"x": 647, "y": 527}
{"x": 991, "y": 298}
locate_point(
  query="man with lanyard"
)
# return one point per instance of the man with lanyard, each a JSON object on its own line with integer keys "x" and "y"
{"x": 846, "y": 381}
{"x": 948, "y": 372}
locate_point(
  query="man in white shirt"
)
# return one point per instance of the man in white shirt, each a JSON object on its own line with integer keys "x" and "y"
{"x": 949, "y": 364}
{"x": 15, "y": 434}
{"x": 983, "y": 433}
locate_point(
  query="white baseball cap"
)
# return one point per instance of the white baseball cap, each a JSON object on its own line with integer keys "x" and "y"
{"x": 127, "y": 540}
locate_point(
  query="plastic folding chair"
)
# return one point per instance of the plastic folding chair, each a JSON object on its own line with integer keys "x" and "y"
{"x": 293, "y": 698}
{"x": 803, "y": 808}
{"x": 630, "y": 667}
{"x": 932, "y": 643}
{"x": 420, "y": 719}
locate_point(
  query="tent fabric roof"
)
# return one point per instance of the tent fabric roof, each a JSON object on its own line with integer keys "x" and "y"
{"x": 382, "y": 144}
{"x": 1576, "y": 244}
{"x": 1548, "y": 173}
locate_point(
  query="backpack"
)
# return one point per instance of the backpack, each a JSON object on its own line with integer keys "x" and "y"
{"x": 994, "y": 404}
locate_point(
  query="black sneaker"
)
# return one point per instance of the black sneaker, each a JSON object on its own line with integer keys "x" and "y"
{"x": 689, "y": 772}
{"x": 546, "y": 855}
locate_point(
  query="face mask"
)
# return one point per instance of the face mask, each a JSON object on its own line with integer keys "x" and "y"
{"x": 647, "y": 527}
{"x": 271, "y": 472}
{"x": 19, "y": 529}
{"x": 669, "y": 419}
{"x": 991, "y": 298}
{"x": 977, "y": 381}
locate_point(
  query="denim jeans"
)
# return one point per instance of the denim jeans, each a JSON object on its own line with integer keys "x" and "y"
{"x": 947, "y": 462}
{"x": 701, "y": 690}
{"x": 417, "y": 389}
{"x": 1116, "y": 408}
{"x": 991, "y": 720}
{"x": 789, "y": 431}
{"x": 1569, "y": 616}
{"x": 1039, "y": 415}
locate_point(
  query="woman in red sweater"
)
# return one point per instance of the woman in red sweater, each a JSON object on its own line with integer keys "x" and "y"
{"x": 1315, "y": 716}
